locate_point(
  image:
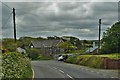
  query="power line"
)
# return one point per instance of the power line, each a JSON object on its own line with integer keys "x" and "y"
{"x": 6, "y": 5}
{"x": 7, "y": 20}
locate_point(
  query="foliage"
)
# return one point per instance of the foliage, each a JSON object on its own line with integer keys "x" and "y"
{"x": 79, "y": 51}
{"x": 90, "y": 61}
{"x": 53, "y": 38}
{"x": 15, "y": 65}
{"x": 9, "y": 44}
{"x": 42, "y": 57}
{"x": 111, "y": 39}
{"x": 74, "y": 40}
{"x": 33, "y": 53}
{"x": 67, "y": 46}
{"x": 27, "y": 40}
{"x": 95, "y": 61}
{"x": 115, "y": 56}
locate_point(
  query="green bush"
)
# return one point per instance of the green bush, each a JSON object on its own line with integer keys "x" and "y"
{"x": 41, "y": 57}
{"x": 15, "y": 65}
{"x": 33, "y": 53}
{"x": 71, "y": 59}
{"x": 86, "y": 60}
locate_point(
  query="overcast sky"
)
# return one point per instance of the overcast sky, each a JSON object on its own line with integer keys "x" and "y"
{"x": 70, "y": 18}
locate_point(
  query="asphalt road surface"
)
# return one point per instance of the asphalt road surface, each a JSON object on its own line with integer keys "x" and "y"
{"x": 57, "y": 69}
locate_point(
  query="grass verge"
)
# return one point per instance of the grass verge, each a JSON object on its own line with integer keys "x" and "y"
{"x": 94, "y": 61}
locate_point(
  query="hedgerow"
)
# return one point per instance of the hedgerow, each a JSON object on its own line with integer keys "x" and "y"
{"x": 15, "y": 65}
{"x": 90, "y": 61}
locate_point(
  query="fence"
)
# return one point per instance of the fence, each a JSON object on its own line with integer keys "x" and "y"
{"x": 111, "y": 63}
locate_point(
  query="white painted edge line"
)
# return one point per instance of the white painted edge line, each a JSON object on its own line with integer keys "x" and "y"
{"x": 33, "y": 76}
{"x": 69, "y": 76}
{"x": 61, "y": 71}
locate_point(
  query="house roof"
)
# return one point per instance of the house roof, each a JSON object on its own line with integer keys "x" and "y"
{"x": 45, "y": 43}
{"x": 91, "y": 49}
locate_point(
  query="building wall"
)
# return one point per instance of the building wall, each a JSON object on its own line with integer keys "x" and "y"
{"x": 49, "y": 51}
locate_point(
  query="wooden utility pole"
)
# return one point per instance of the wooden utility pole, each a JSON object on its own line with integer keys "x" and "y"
{"x": 99, "y": 36}
{"x": 14, "y": 24}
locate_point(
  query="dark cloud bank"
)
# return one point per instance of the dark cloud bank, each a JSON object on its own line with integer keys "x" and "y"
{"x": 78, "y": 19}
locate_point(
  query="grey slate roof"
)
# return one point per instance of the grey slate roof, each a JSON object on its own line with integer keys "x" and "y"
{"x": 91, "y": 49}
{"x": 45, "y": 43}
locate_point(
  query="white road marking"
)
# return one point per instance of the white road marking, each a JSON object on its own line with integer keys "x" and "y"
{"x": 87, "y": 69}
{"x": 33, "y": 76}
{"x": 64, "y": 73}
{"x": 69, "y": 76}
{"x": 61, "y": 71}
{"x": 92, "y": 71}
{"x": 104, "y": 75}
{"x": 54, "y": 67}
{"x": 98, "y": 72}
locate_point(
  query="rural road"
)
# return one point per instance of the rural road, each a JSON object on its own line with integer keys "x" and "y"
{"x": 57, "y": 69}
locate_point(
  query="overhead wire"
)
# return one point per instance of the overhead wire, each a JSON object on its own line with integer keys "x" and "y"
{"x": 6, "y": 5}
{"x": 7, "y": 20}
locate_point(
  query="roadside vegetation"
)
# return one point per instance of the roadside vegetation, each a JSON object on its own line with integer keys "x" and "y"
{"x": 15, "y": 65}
{"x": 94, "y": 61}
{"x": 110, "y": 48}
{"x": 35, "y": 54}
{"x": 111, "y": 39}
{"x": 90, "y": 61}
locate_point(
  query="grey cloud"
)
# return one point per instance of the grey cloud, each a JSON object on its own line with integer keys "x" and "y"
{"x": 77, "y": 19}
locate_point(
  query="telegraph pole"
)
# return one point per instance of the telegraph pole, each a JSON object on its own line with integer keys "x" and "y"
{"x": 99, "y": 36}
{"x": 14, "y": 24}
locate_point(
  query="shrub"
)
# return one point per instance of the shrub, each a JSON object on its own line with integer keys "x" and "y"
{"x": 91, "y": 61}
{"x": 33, "y": 53}
{"x": 86, "y": 60}
{"x": 15, "y": 65}
{"x": 71, "y": 59}
{"x": 41, "y": 57}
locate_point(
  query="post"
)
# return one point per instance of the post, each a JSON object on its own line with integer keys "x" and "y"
{"x": 14, "y": 24}
{"x": 99, "y": 36}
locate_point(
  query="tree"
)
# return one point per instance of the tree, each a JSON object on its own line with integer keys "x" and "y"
{"x": 67, "y": 46}
{"x": 9, "y": 44}
{"x": 111, "y": 39}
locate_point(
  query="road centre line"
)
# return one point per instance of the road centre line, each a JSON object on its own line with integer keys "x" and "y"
{"x": 98, "y": 72}
{"x": 69, "y": 76}
{"x": 61, "y": 71}
{"x": 87, "y": 69}
{"x": 54, "y": 67}
{"x": 92, "y": 71}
